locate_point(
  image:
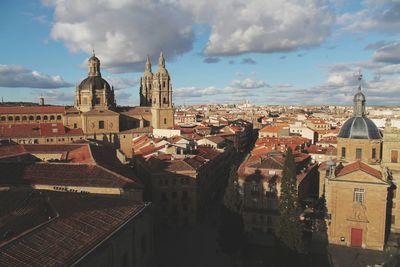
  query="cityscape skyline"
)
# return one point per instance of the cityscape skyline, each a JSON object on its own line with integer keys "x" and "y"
{"x": 280, "y": 52}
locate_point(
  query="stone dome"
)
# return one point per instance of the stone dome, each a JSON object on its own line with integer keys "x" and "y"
{"x": 94, "y": 83}
{"x": 359, "y": 128}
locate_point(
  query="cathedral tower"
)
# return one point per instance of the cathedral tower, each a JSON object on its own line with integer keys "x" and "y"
{"x": 161, "y": 98}
{"x": 146, "y": 83}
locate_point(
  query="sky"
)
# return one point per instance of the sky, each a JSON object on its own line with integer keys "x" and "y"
{"x": 293, "y": 52}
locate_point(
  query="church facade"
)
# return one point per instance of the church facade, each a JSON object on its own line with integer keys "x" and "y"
{"x": 358, "y": 187}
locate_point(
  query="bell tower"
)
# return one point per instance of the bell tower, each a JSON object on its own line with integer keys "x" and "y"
{"x": 161, "y": 98}
{"x": 146, "y": 83}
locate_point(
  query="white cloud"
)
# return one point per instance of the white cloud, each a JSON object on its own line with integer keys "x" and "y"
{"x": 122, "y": 82}
{"x": 378, "y": 15}
{"x": 123, "y": 33}
{"x": 248, "y": 84}
{"x": 284, "y": 85}
{"x": 389, "y": 53}
{"x": 18, "y": 76}
{"x": 239, "y": 26}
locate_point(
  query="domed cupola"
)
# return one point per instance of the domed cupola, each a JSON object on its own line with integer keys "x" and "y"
{"x": 94, "y": 91}
{"x": 359, "y": 126}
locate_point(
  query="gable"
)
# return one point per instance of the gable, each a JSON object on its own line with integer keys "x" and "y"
{"x": 359, "y": 176}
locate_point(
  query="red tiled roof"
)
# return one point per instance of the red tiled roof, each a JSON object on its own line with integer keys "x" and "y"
{"x": 10, "y": 150}
{"x": 358, "y": 165}
{"x": 62, "y": 174}
{"x": 83, "y": 222}
{"x": 32, "y": 110}
{"x": 36, "y": 130}
{"x": 271, "y": 129}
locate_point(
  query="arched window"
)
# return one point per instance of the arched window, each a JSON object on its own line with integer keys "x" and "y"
{"x": 58, "y": 117}
{"x": 38, "y": 118}
{"x": 24, "y": 118}
{"x": 10, "y": 118}
{"x": 31, "y": 118}
{"x": 45, "y": 117}
{"x": 52, "y": 117}
{"x": 3, "y": 118}
{"x": 164, "y": 100}
{"x": 17, "y": 118}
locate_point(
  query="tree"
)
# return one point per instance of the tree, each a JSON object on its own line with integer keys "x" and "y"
{"x": 231, "y": 237}
{"x": 290, "y": 229}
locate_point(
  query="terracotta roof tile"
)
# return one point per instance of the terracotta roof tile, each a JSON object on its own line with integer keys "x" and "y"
{"x": 358, "y": 165}
{"x": 83, "y": 222}
{"x": 32, "y": 110}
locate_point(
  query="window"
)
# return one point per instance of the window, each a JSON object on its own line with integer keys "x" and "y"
{"x": 10, "y": 118}
{"x": 374, "y": 153}
{"x": 358, "y": 153}
{"x": 174, "y": 195}
{"x": 31, "y": 118}
{"x": 75, "y": 125}
{"x": 101, "y": 124}
{"x": 52, "y": 117}
{"x": 343, "y": 152}
{"x": 359, "y": 195}
{"x": 3, "y": 118}
{"x": 45, "y": 118}
{"x": 184, "y": 195}
{"x": 165, "y": 121}
{"x": 394, "y": 155}
{"x": 393, "y": 220}
{"x": 17, "y": 118}
{"x": 58, "y": 117}
{"x": 85, "y": 101}
{"x": 24, "y": 118}
{"x": 38, "y": 118}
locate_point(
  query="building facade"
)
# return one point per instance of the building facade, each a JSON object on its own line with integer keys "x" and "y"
{"x": 357, "y": 187}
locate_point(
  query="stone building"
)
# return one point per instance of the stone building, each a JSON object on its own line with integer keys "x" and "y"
{"x": 260, "y": 182}
{"x": 357, "y": 188}
{"x": 391, "y": 160}
{"x": 95, "y": 114}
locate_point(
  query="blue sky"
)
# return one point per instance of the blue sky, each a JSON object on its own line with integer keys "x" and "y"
{"x": 269, "y": 52}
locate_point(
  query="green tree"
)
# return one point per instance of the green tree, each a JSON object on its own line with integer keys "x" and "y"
{"x": 290, "y": 229}
{"x": 231, "y": 236}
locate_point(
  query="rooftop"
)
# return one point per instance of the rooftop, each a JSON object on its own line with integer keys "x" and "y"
{"x": 62, "y": 227}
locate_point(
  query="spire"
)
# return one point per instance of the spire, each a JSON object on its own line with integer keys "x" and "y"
{"x": 93, "y": 54}
{"x": 148, "y": 64}
{"x": 161, "y": 61}
{"x": 360, "y": 76}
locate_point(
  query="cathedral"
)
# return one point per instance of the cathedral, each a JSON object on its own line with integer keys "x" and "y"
{"x": 95, "y": 113}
